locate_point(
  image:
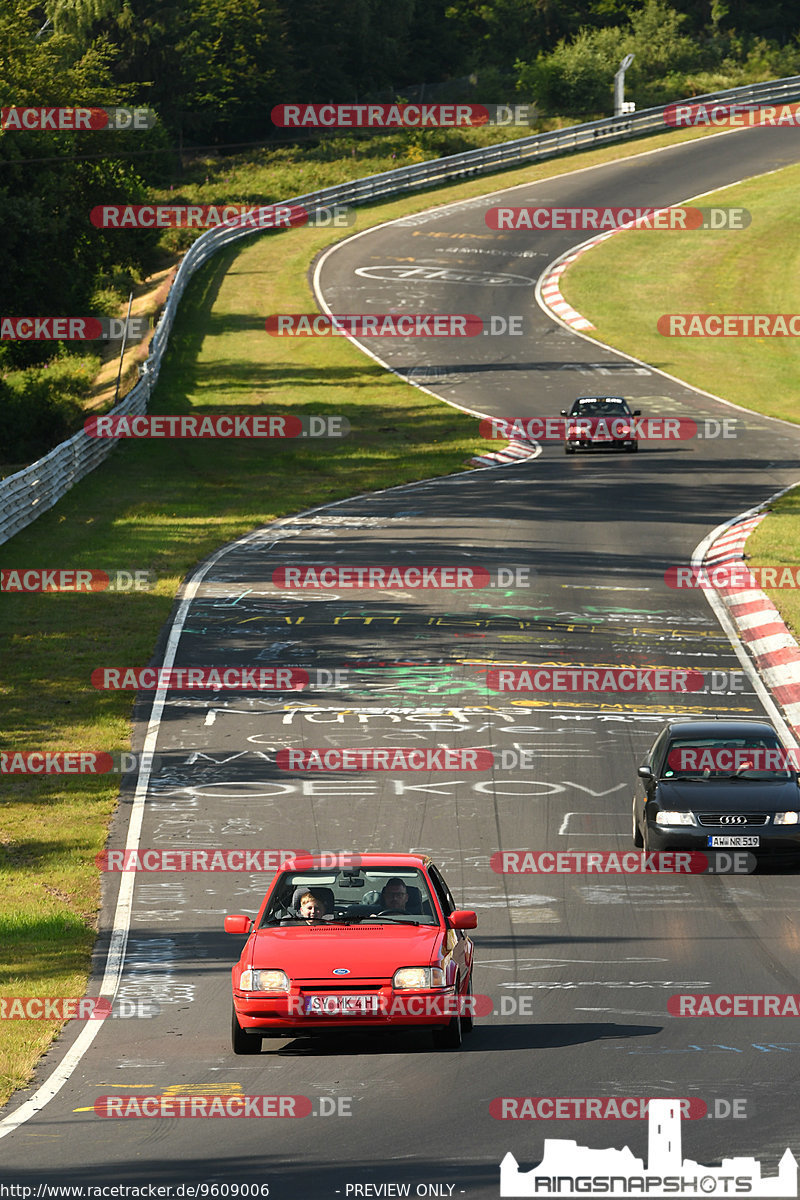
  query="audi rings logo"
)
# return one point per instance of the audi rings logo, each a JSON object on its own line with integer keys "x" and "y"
{"x": 733, "y": 819}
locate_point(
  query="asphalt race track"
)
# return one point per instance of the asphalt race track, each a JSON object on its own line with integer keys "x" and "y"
{"x": 579, "y": 968}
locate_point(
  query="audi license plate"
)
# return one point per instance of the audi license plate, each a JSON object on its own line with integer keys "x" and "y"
{"x": 719, "y": 842}
{"x": 342, "y": 1006}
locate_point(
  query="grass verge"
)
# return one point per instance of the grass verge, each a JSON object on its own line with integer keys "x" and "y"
{"x": 164, "y": 506}
{"x": 627, "y": 282}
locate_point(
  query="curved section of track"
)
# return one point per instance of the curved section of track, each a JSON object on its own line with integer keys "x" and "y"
{"x": 579, "y": 968}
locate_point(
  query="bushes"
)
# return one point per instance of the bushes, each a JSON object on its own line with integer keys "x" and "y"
{"x": 41, "y": 406}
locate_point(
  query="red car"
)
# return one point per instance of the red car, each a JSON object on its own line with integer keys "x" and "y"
{"x": 373, "y": 942}
{"x": 600, "y": 422}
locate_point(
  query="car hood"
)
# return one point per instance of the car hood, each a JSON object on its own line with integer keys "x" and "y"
{"x": 367, "y": 951}
{"x": 729, "y": 795}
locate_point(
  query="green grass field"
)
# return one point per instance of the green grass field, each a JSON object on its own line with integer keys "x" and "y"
{"x": 627, "y": 282}
{"x": 164, "y": 506}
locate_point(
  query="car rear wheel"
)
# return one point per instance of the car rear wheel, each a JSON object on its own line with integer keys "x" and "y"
{"x": 450, "y": 1037}
{"x": 242, "y": 1041}
{"x": 638, "y": 840}
{"x": 569, "y": 449}
{"x": 467, "y": 1020}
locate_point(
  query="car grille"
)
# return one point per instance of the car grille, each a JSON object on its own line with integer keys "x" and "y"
{"x": 328, "y": 985}
{"x": 732, "y": 821}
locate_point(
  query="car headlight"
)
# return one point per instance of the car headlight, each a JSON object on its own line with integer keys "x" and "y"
{"x": 264, "y": 981}
{"x": 674, "y": 818}
{"x": 418, "y": 977}
{"x": 786, "y": 818}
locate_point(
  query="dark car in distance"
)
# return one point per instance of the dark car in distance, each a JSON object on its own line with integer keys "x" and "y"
{"x": 718, "y": 784}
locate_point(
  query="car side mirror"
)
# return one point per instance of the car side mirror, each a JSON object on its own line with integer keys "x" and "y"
{"x": 238, "y": 923}
{"x": 564, "y": 412}
{"x": 462, "y": 918}
{"x": 645, "y": 772}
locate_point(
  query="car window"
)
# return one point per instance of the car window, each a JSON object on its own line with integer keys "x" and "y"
{"x": 354, "y": 896}
{"x": 600, "y": 408}
{"x": 442, "y": 891}
{"x": 760, "y": 758}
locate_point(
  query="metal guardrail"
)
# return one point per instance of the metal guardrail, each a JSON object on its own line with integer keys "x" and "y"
{"x": 35, "y": 489}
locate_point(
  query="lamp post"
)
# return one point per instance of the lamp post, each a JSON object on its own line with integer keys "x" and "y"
{"x": 620, "y": 106}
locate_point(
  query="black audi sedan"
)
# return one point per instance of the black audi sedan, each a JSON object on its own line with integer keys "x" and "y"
{"x": 718, "y": 784}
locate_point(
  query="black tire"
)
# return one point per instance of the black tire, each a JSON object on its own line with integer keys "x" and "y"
{"x": 569, "y": 449}
{"x": 241, "y": 1041}
{"x": 467, "y": 1020}
{"x": 632, "y": 449}
{"x": 451, "y": 1036}
{"x": 638, "y": 840}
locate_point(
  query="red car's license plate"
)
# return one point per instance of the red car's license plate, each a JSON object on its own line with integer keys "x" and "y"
{"x": 342, "y": 1006}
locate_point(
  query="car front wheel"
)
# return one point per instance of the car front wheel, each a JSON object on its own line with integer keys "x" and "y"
{"x": 243, "y": 1042}
{"x": 450, "y": 1037}
{"x": 638, "y": 840}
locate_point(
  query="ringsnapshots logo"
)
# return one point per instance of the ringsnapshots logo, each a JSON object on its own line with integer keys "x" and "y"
{"x": 400, "y": 116}
{"x": 75, "y": 579}
{"x": 334, "y": 577}
{"x": 217, "y": 425}
{"x": 740, "y": 116}
{"x": 75, "y": 120}
{"x": 216, "y": 679}
{"x": 73, "y": 329}
{"x": 630, "y": 862}
{"x": 654, "y": 429}
{"x": 607, "y": 219}
{"x": 570, "y": 1170}
{"x": 725, "y": 325}
{"x": 209, "y": 216}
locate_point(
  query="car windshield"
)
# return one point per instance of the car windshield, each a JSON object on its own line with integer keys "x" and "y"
{"x": 374, "y": 895}
{"x": 727, "y": 757}
{"x": 600, "y": 408}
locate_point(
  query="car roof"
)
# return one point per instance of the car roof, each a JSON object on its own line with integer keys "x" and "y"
{"x": 368, "y": 859}
{"x": 723, "y": 727}
{"x": 577, "y": 398}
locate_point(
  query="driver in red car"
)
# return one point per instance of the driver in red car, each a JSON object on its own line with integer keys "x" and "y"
{"x": 394, "y": 896}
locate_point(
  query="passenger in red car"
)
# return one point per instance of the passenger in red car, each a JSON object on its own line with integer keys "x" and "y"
{"x": 311, "y": 908}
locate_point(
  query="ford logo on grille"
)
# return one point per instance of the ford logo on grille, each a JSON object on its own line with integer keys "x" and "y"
{"x": 733, "y": 819}
{"x": 340, "y": 971}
